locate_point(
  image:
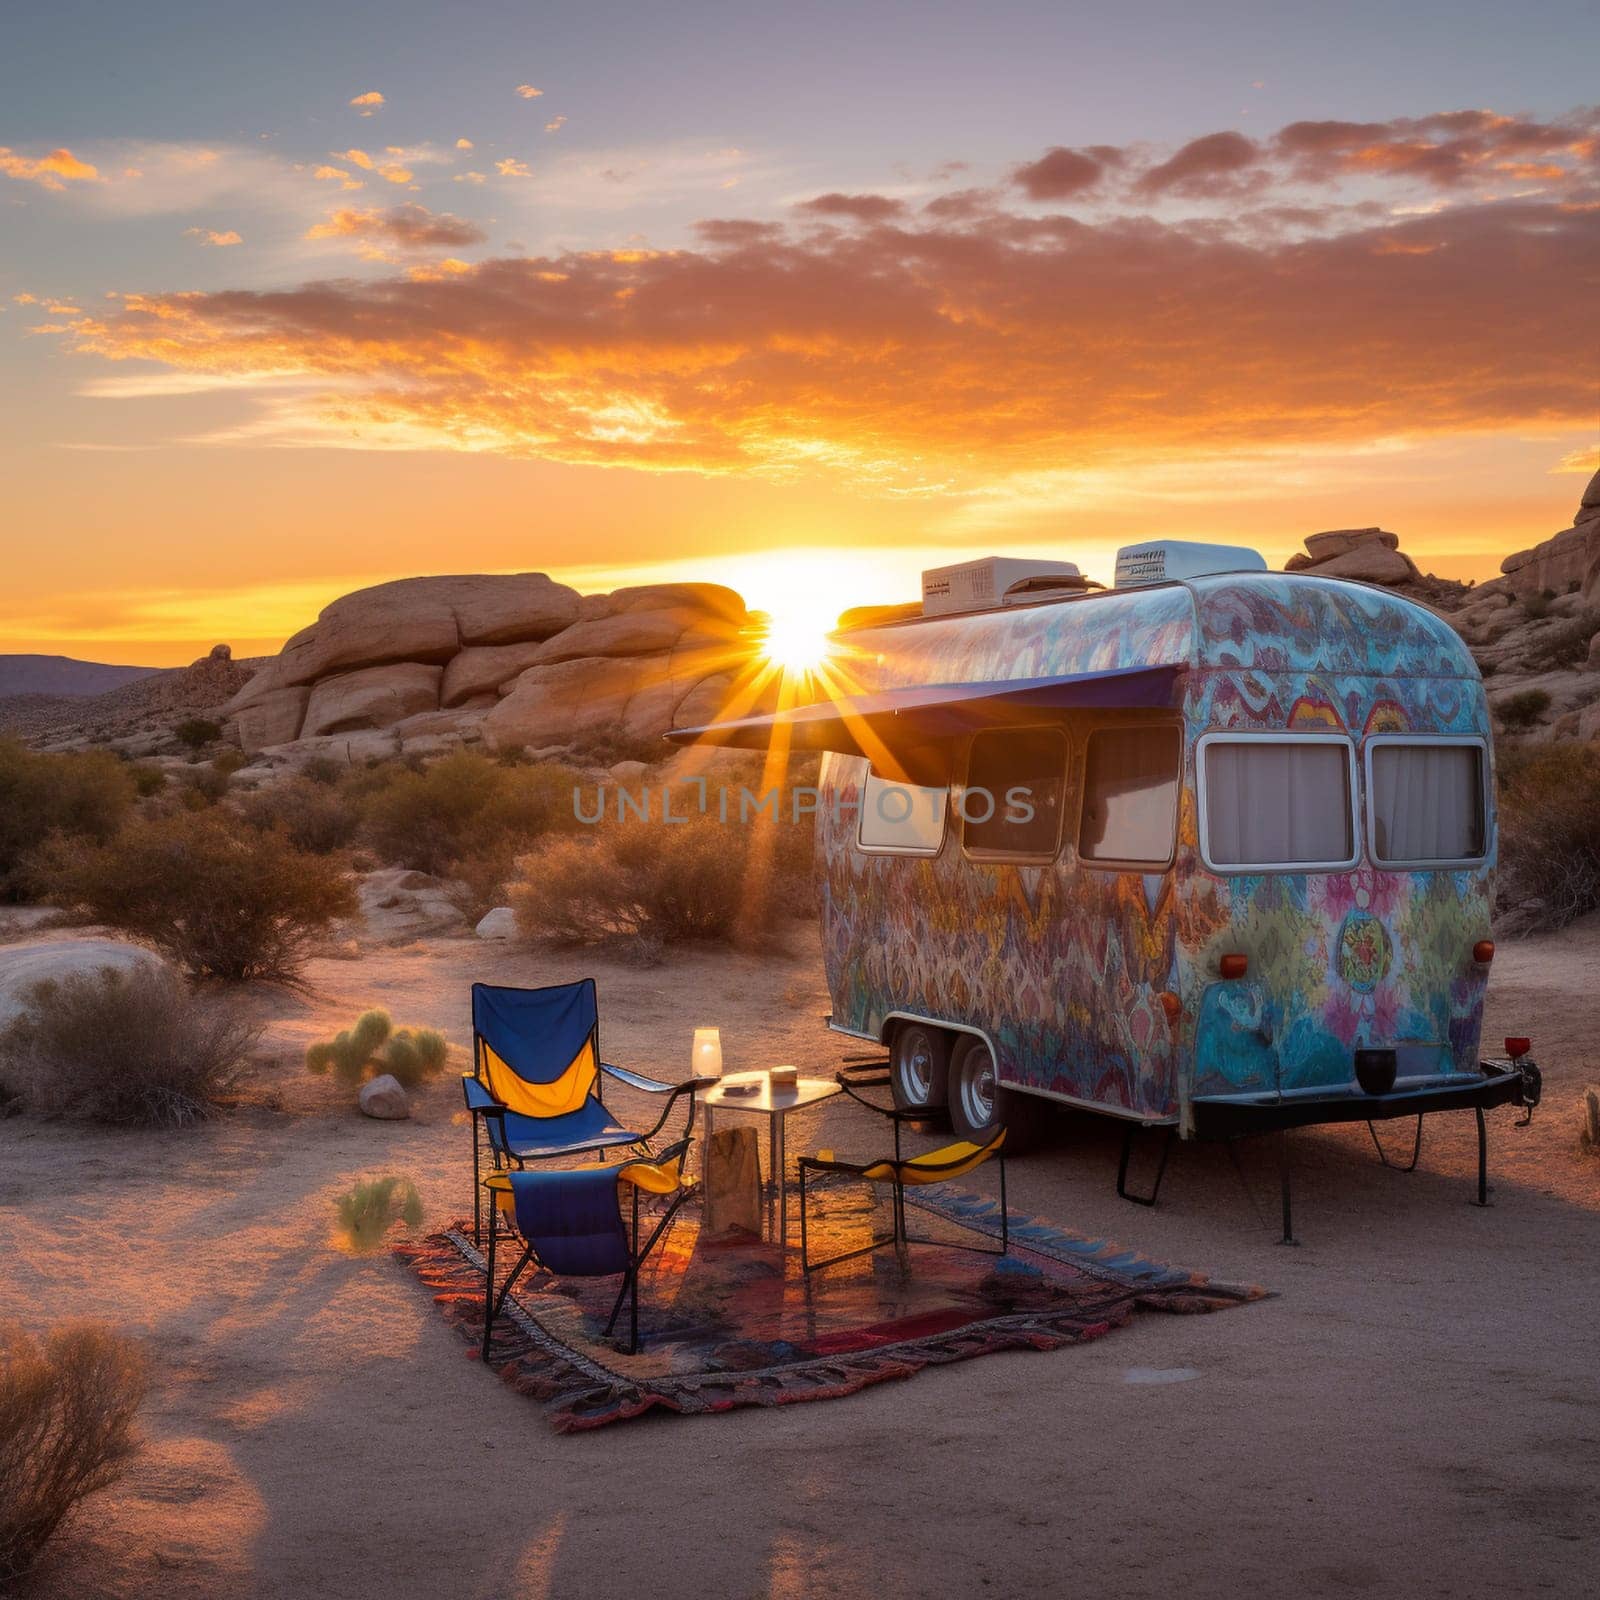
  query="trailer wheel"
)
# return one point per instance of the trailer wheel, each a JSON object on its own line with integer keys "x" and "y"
{"x": 919, "y": 1066}
{"x": 978, "y": 1104}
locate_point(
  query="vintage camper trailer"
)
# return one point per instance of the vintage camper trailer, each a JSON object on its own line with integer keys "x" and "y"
{"x": 1209, "y": 851}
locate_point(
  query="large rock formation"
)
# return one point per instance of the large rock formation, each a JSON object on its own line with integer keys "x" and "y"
{"x": 1370, "y": 555}
{"x": 1566, "y": 562}
{"x": 511, "y": 660}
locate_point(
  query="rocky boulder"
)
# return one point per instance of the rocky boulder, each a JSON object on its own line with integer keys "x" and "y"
{"x": 385, "y": 1098}
{"x": 374, "y": 697}
{"x": 399, "y": 905}
{"x": 1368, "y": 555}
{"x": 46, "y": 960}
{"x": 1570, "y": 560}
{"x": 419, "y": 619}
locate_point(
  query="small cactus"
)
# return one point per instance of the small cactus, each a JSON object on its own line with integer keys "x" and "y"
{"x": 374, "y": 1045}
{"x": 414, "y": 1055}
{"x": 370, "y": 1209}
{"x": 349, "y": 1054}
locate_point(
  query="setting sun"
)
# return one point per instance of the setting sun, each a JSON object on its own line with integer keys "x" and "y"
{"x": 797, "y": 639}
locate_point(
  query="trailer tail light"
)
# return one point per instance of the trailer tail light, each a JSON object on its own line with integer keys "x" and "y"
{"x": 1483, "y": 952}
{"x": 1171, "y": 1004}
{"x": 1235, "y": 965}
{"x": 1517, "y": 1048}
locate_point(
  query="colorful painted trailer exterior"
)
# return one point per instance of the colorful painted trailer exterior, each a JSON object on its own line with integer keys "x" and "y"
{"x": 1101, "y": 982}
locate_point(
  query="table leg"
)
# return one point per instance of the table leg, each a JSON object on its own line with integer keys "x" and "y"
{"x": 707, "y": 1221}
{"x": 783, "y": 1186}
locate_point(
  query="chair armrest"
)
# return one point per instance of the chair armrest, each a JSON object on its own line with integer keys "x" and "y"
{"x": 479, "y": 1101}
{"x": 636, "y": 1080}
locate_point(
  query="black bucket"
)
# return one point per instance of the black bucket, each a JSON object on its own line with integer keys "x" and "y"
{"x": 1376, "y": 1069}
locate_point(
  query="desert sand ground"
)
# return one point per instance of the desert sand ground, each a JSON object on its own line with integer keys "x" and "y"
{"x": 1415, "y": 1412}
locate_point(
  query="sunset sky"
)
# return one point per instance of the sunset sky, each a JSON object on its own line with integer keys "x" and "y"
{"x": 799, "y": 298}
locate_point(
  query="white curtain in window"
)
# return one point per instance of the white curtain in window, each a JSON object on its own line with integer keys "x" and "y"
{"x": 1427, "y": 802}
{"x": 1277, "y": 803}
{"x": 901, "y": 816}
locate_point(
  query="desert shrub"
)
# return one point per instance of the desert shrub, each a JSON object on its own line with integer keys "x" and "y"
{"x": 1549, "y": 836}
{"x": 79, "y": 797}
{"x": 322, "y": 769}
{"x": 373, "y": 1045}
{"x": 370, "y": 1209}
{"x": 314, "y": 816}
{"x": 1535, "y": 606}
{"x": 1523, "y": 709}
{"x": 112, "y": 1046}
{"x": 605, "y": 747}
{"x": 724, "y": 882}
{"x": 67, "y": 1408}
{"x": 1565, "y": 645}
{"x": 147, "y": 780}
{"x": 462, "y": 804}
{"x": 221, "y": 900}
{"x": 203, "y": 785}
{"x": 197, "y": 732}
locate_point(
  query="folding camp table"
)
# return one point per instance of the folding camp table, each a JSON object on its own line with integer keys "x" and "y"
{"x": 774, "y": 1104}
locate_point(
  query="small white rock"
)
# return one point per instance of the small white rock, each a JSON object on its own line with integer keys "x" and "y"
{"x": 501, "y": 923}
{"x": 385, "y": 1099}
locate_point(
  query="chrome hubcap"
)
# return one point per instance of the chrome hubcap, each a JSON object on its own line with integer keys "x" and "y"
{"x": 916, "y": 1068}
{"x": 977, "y": 1087}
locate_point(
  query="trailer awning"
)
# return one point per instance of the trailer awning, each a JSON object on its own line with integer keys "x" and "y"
{"x": 904, "y": 720}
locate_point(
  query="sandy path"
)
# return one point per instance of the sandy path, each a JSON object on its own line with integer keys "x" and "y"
{"x": 1416, "y": 1412}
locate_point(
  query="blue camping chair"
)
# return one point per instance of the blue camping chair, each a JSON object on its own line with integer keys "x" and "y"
{"x": 535, "y": 1088}
{"x": 571, "y": 1223}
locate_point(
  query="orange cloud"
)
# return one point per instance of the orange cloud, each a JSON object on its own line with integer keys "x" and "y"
{"x": 368, "y": 103}
{"x": 469, "y": 177}
{"x": 211, "y": 236}
{"x": 464, "y": 144}
{"x": 528, "y": 92}
{"x": 555, "y": 124}
{"x": 945, "y": 349}
{"x": 510, "y": 168}
{"x": 396, "y": 173}
{"x": 52, "y": 171}
{"x": 407, "y": 227}
{"x": 338, "y": 175}
{"x": 357, "y": 158}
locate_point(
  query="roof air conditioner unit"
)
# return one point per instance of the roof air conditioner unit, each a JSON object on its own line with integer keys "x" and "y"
{"x": 1167, "y": 560}
{"x": 982, "y": 585}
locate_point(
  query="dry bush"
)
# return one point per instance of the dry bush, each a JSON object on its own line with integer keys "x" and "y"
{"x": 463, "y": 806}
{"x": 80, "y": 797}
{"x": 1549, "y": 836}
{"x": 373, "y": 1045}
{"x": 137, "y": 1046}
{"x": 728, "y": 883}
{"x": 67, "y": 1408}
{"x": 1520, "y": 711}
{"x": 221, "y": 900}
{"x": 197, "y": 732}
{"x": 314, "y": 816}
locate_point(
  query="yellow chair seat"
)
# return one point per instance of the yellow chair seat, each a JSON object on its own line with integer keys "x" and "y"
{"x": 653, "y": 1177}
{"x": 934, "y": 1166}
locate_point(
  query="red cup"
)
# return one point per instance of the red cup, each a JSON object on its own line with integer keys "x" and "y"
{"x": 1518, "y": 1047}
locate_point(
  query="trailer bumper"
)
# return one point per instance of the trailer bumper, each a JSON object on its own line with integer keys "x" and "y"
{"x": 1504, "y": 1083}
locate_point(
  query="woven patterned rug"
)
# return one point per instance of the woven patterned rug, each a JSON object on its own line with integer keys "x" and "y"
{"x": 736, "y": 1323}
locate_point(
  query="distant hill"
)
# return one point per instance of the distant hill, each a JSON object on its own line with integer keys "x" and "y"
{"x": 63, "y": 675}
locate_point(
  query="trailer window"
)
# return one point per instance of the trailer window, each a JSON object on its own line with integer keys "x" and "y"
{"x": 901, "y": 817}
{"x": 1427, "y": 802}
{"x": 1277, "y": 803}
{"x": 1130, "y": 795}
{"x": 1016, "y": 780}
